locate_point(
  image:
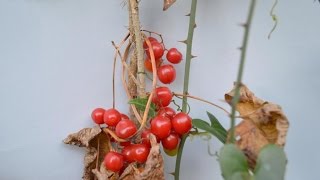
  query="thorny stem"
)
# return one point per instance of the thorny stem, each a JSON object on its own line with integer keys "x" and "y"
{"x": 236, "y": 97}
{"x": 192, "y": 25}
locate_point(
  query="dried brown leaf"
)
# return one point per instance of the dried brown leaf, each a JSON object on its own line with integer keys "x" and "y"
{"x": 263, "y": 123}
{"x": 153, "y": 168}
{"x": 97, "y": 144}
{"x": 167, "y": 4}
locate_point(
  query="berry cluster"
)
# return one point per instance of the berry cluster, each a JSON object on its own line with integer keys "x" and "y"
{"x": 166, "y": 72}
{"x": 168, "y": 126}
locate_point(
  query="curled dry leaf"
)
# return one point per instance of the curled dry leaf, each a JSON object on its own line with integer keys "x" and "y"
{"x": 96, "y": 143}
{"x": 263, "y": 123}
{"x": 167, "y": 4}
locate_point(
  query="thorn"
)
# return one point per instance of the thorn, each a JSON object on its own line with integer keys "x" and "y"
{"x": 188, "y": 14}
{"x": 195, "y": 25}
{"x": 185, "y": 41}
{"x": 192, "y": 56}
{"x": 173, "y": 173}
{"x": 240, "y": 48}
{"x": 243, "y": 25}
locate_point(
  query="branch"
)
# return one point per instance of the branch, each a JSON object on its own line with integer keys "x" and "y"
{"x": 235, "y": 99}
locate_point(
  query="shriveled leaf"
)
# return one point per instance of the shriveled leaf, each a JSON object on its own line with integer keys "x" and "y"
{"x": 215, "y": 123}
{"x": 268, "y": 117}
{"x": 250, "y": 140}
{"x": 97, "y": 144}
{"x": 263, "y": 123}
{"x": 201, "y": 124}
{"x": 141, "y": 104}
{"x": 271, "y": 163}
{"x": 167, "y": 4}
{"x": 153, "y": 168}
{"x": 233, "y": 163}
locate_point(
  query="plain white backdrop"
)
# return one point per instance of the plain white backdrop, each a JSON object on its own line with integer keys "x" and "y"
{"x": 55, "y": 67}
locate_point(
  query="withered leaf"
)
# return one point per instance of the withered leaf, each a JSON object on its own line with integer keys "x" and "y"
{"x": 153, "y": 168}
{"x": 263, "y": 123}
{"x": 97, "y": 144}
{"x": 167, "y": 4}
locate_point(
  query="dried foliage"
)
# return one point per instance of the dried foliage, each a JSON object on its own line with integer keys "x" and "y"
{"x": 263, "y": 123}
{"x": 167, "y": 4}
{"x": 97, "y": 144}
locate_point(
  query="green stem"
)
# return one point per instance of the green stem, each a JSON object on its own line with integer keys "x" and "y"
{"x": 192, "y": 25}
{"x": 236, "y": 97}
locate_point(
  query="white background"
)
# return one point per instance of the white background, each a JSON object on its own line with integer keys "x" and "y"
{"x": 55, "y": 67}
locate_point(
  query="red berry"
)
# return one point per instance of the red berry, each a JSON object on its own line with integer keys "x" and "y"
{"x": 111, "y": 117}
{"x": 174, "y": 56}
{"x": 148, "y": 64}
{"x": 171, "y": 142}
{"x": 113, "y": 161}
{"x": 124, "y": 144}
{"x": 161, "y": 126}
{"x": 167, "y": 112}
{"x": 157, "y": 49}
{"x": 181, "y": 123}
{"x": 145, "y": 137}
{"x": 125, "y": 129}
{"x": 97, "y": 115}
{"x": 162, "y": 96}
{"x": 140, "y": 152}
{"x": 151, "y": 39}
{"x": 123, "y": 116}
{"x": 166, "y": 74}
{"x": 127, "y": 153}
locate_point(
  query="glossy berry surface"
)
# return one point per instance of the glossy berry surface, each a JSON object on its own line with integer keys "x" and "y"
{"x": 151, "y": 39}
{"x": 162, "y": 96}
{"x": 97, "y": 115}
{"x": 125, "y": 129}
{"x": 157, "y": 49}
{"x": 113, "y": 161}
{"x": 171, "y": 142}
{"x": 174, "y": 56}
{"x": 111, "y": 117}
{"x": 181, "y": 123}
{"x": 166, "y": 73}
{"x": 161, "y": 126}
{"x": 148, "y": 64}
{"x": 167, "y": 112}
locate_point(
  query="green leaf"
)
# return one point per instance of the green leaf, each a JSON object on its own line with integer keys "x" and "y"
{"x": 141, "y": 104}
{"x": 271, "y": 163}
{"x": 201, "y": 124}
{"x": 233, "y": 163}
{"x": 215, "y": 123}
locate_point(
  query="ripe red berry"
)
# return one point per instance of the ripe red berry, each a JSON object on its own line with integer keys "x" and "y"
{"x": 124, "y": 144}
{"x": 166, "y": 74}
{"x": 174, "y": 56}
{"x": 148, "y": 64}
{"x": 111, "y": 117}
{"x": 97, "y": 115}
{"x": 167, "y": 112}
{"x": 125, "y": 129}
{"x": 171, "y": 142}
{"x": 161, "y": 126}
{"x": 157, "y": 49}
{"x": 140, "y": 152}
{"x": 181, "y": 123}
{"x": 127, "y": 153}
{"x": 113, "y": 161}
{"x": 162, "y": 96}
{"x": 123, "y": 116}
{"x": 151, "y": 39}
